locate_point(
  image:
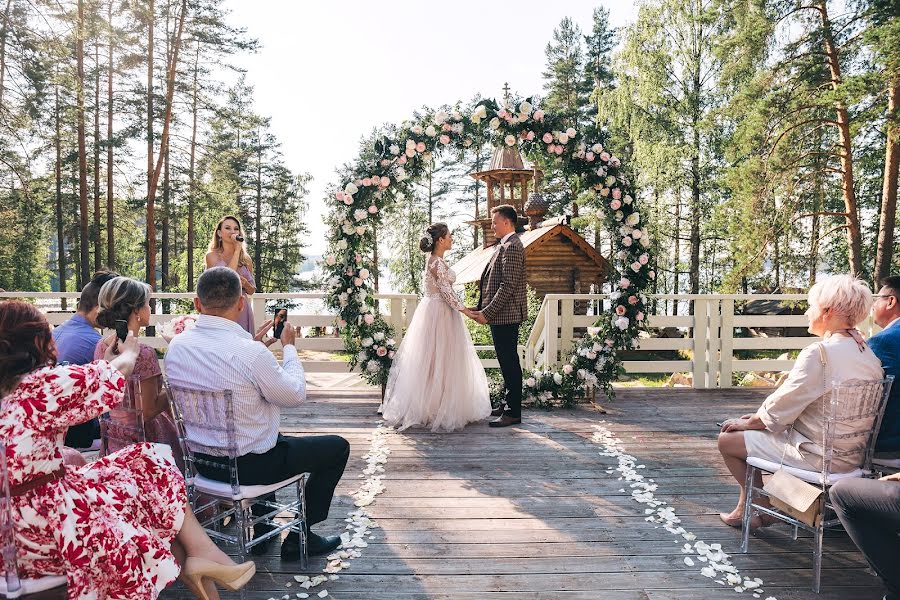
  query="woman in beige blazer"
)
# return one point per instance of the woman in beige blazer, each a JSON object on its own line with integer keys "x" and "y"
{"x": 791, "y": 420}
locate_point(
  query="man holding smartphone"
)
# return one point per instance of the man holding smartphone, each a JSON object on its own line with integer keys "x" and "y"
{"x": 218, "y": 354}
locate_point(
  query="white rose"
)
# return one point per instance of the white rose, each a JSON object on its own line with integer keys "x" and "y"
{"x": 571, "y": 132}
{"x": 351, "y": 189}
{"x": 430, "y": 131}
{"x": 441, "y": 117}
{"x": 394, "y": 149}
{"x": 558, "y": 378}
{"x": 636, "y": 234}
{"x": 417, "y": 129}
{"x": 610, "y": 180}
{"x": 481, "y": 111}
{"x": 330, "y": 260}
{"x": 361, "y": 229}
{"x": 378, "y": 336}
{"x": 373, "y": 366}
{"x": 621, "y": 323}
{"x": 347, "y": 229}
{"x": 633, "y": 219}
{"x": 359, "y": 214}
{"x": 390, "y": 342}
{"x": 367, "y": 342}
{"x": 563, "y": 138}
{"x": 597, "y": 148}
{"x": 510, "y": 140}
{"x": 530, "y": 382}
{"x": 525, "y": 108}
{"x": 494, "y": 123}
{"x": 342, "y": 244}
{"x": 619, "y": 215}
{"x": 364, "y": 274}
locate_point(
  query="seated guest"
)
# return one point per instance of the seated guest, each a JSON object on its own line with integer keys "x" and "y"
{"x": 218, "y": 354}
{"x": 117, "y": 528}
{"x": 791, "y": 421}
{"x": 886, "y": 346}
{"x": 126, "y": 299}
{"x": 75, "y": 342}
{"x": 869, "y": 510}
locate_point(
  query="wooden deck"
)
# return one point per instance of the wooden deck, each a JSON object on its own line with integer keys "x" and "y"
{"x": 531, "y": 511}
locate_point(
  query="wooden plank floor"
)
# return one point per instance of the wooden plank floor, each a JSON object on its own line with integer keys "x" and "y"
{"x": 531, "y": 512}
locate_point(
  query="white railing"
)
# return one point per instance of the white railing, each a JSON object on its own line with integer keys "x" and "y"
{"x": 397, "y": 310}
{"x": 706, "y": 347}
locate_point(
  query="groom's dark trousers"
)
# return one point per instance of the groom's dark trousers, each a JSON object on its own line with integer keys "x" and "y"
{"x": 506, "y": 345}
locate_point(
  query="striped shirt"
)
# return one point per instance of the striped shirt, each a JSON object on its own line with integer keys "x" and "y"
{"x": 218, "y": 354}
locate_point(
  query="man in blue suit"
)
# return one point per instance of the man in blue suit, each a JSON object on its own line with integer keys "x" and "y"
{"x": 886, "y": 346}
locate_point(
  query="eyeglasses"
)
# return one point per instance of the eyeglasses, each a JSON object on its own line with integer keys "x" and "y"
{"x": 884, "y": 296}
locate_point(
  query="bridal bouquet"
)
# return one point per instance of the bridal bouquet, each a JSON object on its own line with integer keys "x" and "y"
{"x": 178, "y": 325}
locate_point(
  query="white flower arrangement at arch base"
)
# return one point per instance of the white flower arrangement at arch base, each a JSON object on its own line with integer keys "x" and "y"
{"x": 398, "y": 156}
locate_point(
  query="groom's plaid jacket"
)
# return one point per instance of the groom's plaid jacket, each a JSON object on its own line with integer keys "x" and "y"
{"x": 502, "y": 297}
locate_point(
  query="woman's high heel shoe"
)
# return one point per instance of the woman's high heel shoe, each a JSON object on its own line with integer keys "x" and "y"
{"x": 231, "y": 577}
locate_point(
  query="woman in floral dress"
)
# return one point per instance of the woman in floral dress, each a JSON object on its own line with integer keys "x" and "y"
{"x": 118, "y": 528}
{"x": 126, "y": 299}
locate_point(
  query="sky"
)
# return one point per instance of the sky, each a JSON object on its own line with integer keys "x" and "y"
{"x": 328, "y": 71}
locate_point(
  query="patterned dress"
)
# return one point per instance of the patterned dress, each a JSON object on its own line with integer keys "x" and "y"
{"x": 161, "y": 428}
{"x": 107, "y": 526}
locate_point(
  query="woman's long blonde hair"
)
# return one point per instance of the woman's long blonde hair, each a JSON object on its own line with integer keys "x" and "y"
{"x": 215, "y": 244}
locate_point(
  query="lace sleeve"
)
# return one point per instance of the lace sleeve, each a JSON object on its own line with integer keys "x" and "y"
{"x": 441, "y": 273}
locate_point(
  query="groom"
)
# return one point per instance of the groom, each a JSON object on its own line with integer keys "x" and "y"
{"x": 503, "y": 304}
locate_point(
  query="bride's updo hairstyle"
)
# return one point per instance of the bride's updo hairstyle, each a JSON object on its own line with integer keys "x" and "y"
{"x": 432, "y": 234}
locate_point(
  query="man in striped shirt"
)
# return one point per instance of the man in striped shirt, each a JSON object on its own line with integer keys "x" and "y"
{"x": 218, "y": 354}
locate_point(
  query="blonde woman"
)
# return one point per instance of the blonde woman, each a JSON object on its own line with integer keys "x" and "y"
{"x": 790, "y": 422}
{"x": 227, "y": 249}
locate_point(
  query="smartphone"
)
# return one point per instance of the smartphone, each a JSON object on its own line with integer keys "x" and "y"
{"x": 280, "y": 320}
{"x": 720, "y": 424}
{"x": 121, "y": 329}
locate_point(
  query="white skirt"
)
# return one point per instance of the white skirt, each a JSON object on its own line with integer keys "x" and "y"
{"x": 436, "y": 379}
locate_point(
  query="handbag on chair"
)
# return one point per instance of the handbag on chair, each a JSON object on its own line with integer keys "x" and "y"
{"x": 790, "y": 494}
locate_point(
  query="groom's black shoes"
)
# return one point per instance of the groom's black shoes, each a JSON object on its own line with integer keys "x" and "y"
{"x": 497, "y": 412}
{"x": 505, "y": 421}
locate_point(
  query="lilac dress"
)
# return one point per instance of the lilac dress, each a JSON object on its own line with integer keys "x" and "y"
{"x": 245, "y": 319}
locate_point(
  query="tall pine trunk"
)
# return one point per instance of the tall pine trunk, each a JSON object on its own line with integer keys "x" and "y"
{"x": 95, "y": 238}
{"x": 885, "y": 252}
{"x": 85, "y": 257}
{"x": 848, "y": 191}
{"x": 192, "y": 188}
{"x": 257, "y": 225}
{"x": 60, "y": 226}
{"x": 110, "y": 230}
{"x": 3, "y": 33}
{"x": 151, "y": 213}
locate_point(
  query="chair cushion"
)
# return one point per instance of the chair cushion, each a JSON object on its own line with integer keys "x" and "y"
{"x": 32, "y": 586}
{"x": 814, "y": 477}
{"x": 222, "y": 489}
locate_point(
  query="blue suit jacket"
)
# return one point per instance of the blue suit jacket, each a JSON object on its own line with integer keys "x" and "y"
{"x": 886, "y": 346}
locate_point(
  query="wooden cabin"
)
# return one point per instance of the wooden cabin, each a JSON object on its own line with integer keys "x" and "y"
{"x": 557, "y": 259}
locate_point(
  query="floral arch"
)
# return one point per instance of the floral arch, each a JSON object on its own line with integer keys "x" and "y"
{"x": 388, "y": 166}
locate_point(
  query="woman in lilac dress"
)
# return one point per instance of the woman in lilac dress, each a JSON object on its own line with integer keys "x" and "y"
{"x": 123, "y": 298}
{"x": 227, "y": 249}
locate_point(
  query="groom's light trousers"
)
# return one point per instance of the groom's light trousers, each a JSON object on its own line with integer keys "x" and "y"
{"x": 506, "y": 345}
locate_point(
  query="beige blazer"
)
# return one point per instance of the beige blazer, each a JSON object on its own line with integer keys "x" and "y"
{"x": 798, "y": 401}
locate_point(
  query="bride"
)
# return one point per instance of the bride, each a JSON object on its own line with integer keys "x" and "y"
{"x": 437, "y": 379}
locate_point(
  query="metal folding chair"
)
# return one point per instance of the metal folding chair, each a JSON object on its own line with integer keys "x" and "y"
{"x": 11, "y": 585}
{"x": 850, "y": 402}
{"x": 204, "y": 419}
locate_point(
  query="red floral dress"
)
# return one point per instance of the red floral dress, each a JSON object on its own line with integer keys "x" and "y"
{"x": 107, "y": 526}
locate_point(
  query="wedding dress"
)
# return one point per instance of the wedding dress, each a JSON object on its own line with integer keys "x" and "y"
{"x": 436, "y": 379}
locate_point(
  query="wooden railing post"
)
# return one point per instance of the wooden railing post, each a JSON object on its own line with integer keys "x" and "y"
{"x": 701, "y": 333}
{"x": 551, "y": 332}
{"x": 258, "y": 303}
{"x": 713, "y": 344}
{"x": 567, "y": 329}
{"x": 727, "y": 343}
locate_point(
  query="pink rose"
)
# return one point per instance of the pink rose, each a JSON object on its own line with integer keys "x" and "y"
{"x": 369, "y": 319}
{"x": 635, "y": 266}
{"x": 385, "y": 181}
{"x": 620, "y": 310}
{"x": 446, "y": 127}
{"x": 382, "y": 351}
{"x": 632, "y": 300}
{"x": 502, "y": 114}
{"x": 624, "y": 283}
{"x": 559, "y": 149}
{"x": 643, "y": 259}
{"x": 385, "y": 162}
{"x": 609, "y": 343}
{"x": 604, "y": 156}
{"x": 391, "y": 354}
{"x": 410, "y": 152}
{"x": 639, "y": 316}
{"x": 627, "y": 241}
{"x": 567, "y": 369}
{"x": 348, "y": 199}
{"x": 357, "y": 281}
{"x": 444, "y": 139}
{"x": 538, "y": 115}
{"x": 420, "y": 147}
{"x": 366, "y": 181}
{"x": 373, "y": 209}
{"x": 652, "y": 274}
{"x": 548, "y": 138}
{"x": 402, "y": 159}
{"x": 339, "y": 196}
{"x": 615, "y": 205}
{"x": 616, "y": 193}
{"x": 530, "y": 136}
{"x": 589, "y": 157}
{"x": 342, "y": 323}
